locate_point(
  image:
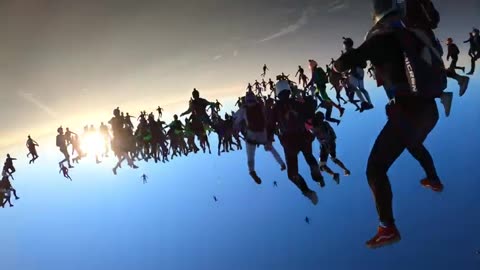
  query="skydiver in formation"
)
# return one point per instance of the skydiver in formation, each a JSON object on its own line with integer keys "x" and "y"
{"x": 275, "y": 184}
{"x": 326, "y": 137}
{"x": 453, "y": 53}
{"x": 472, "y": 45}
{"x": 8, "y": 167}
{"x": 411, "y": 117}
{"x": 6, "y": 189}
{"x": 476, "y": 50}
{"x": 62, "y": 145}
{"x": 31, "y": 146}
{"x": 253, "y": 113}
{"x": 356, "y": 77}
{"x": 160, "y": 111}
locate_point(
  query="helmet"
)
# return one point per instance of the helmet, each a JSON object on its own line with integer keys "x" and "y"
{"x": 116, "y": 112}
{"x": 312, "y": 63}
{"x": 449, "y": 40}
{"x": 281, "y": 86}
{"x": 476, "y": 31}
{"x": 195, "y": 93}
{"x": 348, "y": 42}
{"x": 60, "y": 129}
{"x": 250, "y": 98}
{"x": 382, "y": 8}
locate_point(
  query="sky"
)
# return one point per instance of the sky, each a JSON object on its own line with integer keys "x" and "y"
{"x": 70, "y": 63}
{"x": 102, "y": 221}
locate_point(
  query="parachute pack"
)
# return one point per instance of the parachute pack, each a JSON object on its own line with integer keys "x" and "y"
{"x": 424, "y": 66}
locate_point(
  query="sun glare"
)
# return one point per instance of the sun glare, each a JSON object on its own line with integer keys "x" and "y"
{"x": 93, "y": 143}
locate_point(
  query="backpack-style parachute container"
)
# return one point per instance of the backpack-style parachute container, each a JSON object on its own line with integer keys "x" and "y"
{"x": 424, "y": 66}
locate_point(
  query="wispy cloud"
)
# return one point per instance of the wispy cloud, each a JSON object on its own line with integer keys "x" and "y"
{"x": 30, "y": 98}
{"x": 235, "y": 53}
{"x": 338, "y": 5}
{"x": 303, "y": 20}
{"x": 217, "y": 57}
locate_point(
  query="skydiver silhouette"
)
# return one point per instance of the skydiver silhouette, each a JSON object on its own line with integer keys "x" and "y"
{"x": 215, "y": 198}
{"x": 453, "y": 53}
{"x": 8, "y": 166}
{"x": 144, "y": 178}
{"x": 275, "y": 184}
{"x": 307, "y": 220}
{"x": 160, "y": 111}
{"x": 31, "y": 146}
{"x": 64, "y": 170}
{"x": 471, "y": 41}
{"x": 249, "y": 88}
{"x": 265, "y": 68}
{"x": 61, "y": 144}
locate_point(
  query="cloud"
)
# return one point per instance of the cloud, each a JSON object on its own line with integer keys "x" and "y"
{"x": 303, "y": 20}
{"x": 235, "y": 53}
{"x": 217, "y": 57}
{"x": 337, "y": 5}
{"x": 30, "y": 98}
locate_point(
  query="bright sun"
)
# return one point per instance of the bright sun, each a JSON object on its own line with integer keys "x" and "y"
{"x": 93, "y": 143}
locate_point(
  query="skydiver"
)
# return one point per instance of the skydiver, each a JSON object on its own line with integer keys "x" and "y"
{"x": 64, "y": 170}
{"x": 31, "y": 145}
{"x": 160, "y": 111}
{"x": 61, "y": 144}
{"x": 307, "y": 220}
{"x": 265, "y": 68}
{"x": 319, "y": 80}
{"x": 275, "y": 184}
{"x": 215, "y": 198}
{"x": 453, "y": 53}
{"x": 250, "y": 88}
{"x": 356, "y": 78}
{"x": 144, "y": 178}
{"x": 476, "y": 41}
{"x": 8, "y": 165}
{"x": 471, "y": 41}
{"x": 410, "y": 117}
{"x": 326, "y": 137}
{"x": 258, "y": 89}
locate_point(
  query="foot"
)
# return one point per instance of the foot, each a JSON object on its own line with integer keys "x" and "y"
{"x": 255, "y": 177}
{"x": 470, "y": 73}
{"x": 436, "y": 186}
{"x": 446, "y": 100}
{"x": 114, "y": 170}
{"x": 463, "y": 82}
{"x": 317, "y": 175}
{"x": 11, "y": 205}
{"x": 342, "y": 111}
{"x": 336, "y": 178}
{"x": 312, "y": 196}
{"x": 463, "y": 69}
{"x": 134, "y": 166}
{"x": 385, "y": 236}
{"x": 17, "y": 198}
{"x": 347, "y": 173}
{"x": 283, "y": 167}
{"x": 70, "y": 167}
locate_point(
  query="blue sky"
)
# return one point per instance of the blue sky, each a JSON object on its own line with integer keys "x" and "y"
{"x": 99, "y": 221}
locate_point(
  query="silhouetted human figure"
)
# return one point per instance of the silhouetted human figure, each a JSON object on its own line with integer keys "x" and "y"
{"x": 64, "y": 170}
{"x": 144, "y": 178}
{"x": 31, "y": 146}
{"x": 411, "y": 117}
{"x": 275, "y": 184}
{"x": 265, "y": 69}
{"x": 476, "y": 51}
{"x": 62, "y": 145}
{"x": 215, "y": 198}
{"x": 453, "y": 53}
{"x": 471, "y": 42}
{"x": 160, "y": 111}
{"x": 8, "y": 165}
{"x": 6, "y": 189}
{"x": 307, "y": 220}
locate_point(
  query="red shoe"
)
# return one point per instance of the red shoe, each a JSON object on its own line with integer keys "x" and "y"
{"x": 433, "y": 185}
{"x": 385, "y": 236}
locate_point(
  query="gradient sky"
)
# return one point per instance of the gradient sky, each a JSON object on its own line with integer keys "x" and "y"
{"x": 70, "y": 62}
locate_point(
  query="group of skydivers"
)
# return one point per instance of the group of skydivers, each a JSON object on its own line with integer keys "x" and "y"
{"x": 405, "y": 58}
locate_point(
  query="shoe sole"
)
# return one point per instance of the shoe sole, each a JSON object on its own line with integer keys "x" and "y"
{"x": 389, "y": 243}
{"x": 432, "y": 189}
